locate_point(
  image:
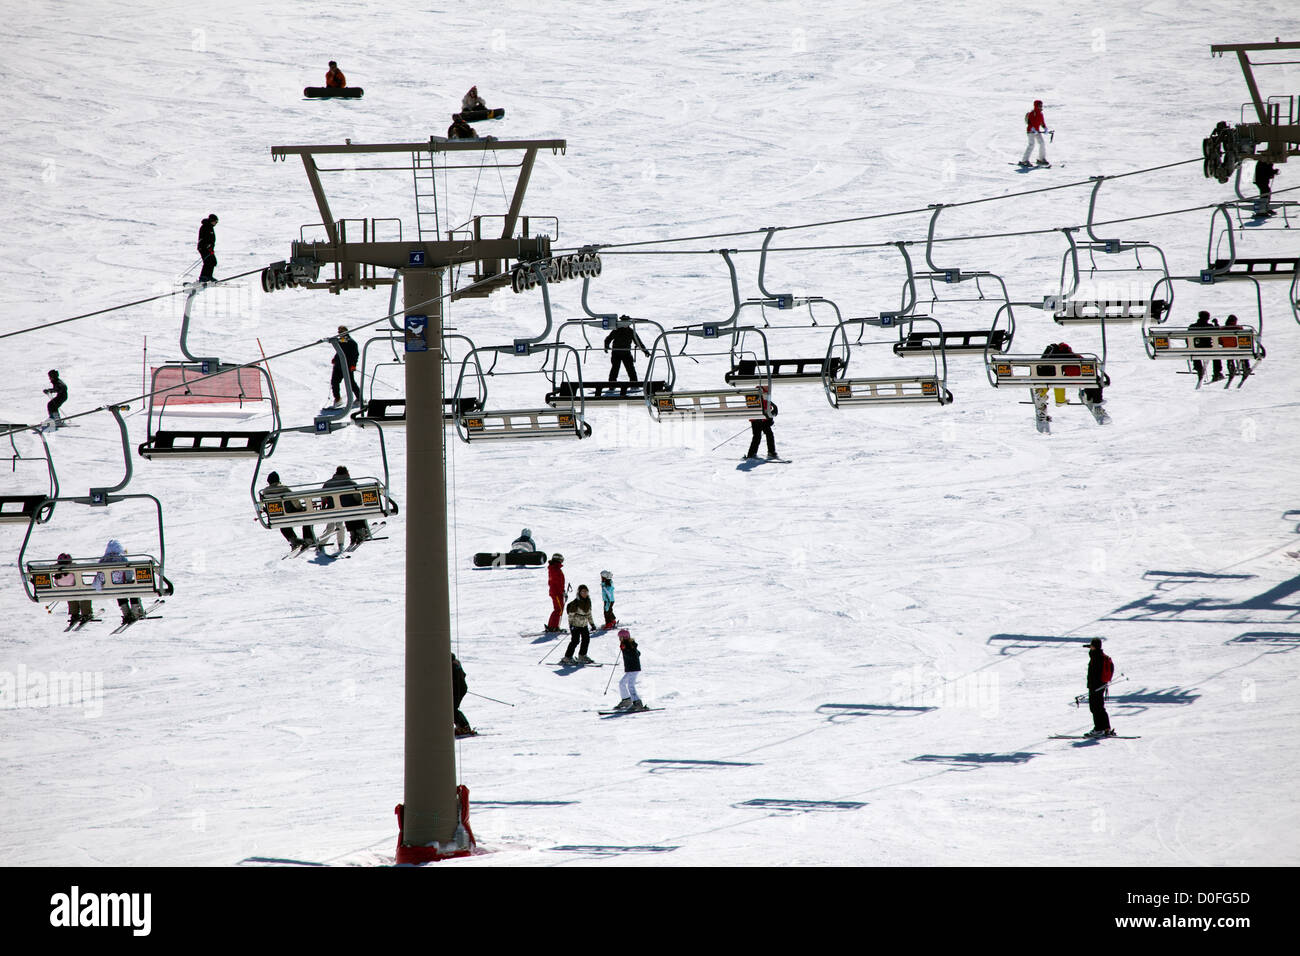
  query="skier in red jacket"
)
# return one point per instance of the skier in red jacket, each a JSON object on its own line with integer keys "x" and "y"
{"x": 555, "y": 583}
{"x": 1036, "y": 126}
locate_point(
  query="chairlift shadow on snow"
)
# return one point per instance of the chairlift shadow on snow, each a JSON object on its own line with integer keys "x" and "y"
{"x": 800, "y": 806}
{"x": 836, "y": 712}
{"x": 973, "y": 761}
{"x": 668, "y": 766}
{"x": 1203, "y": 609}
{"x": 1028, "y": 642}
{"x": 1283, "y": 642}
{"x": 605, "y": 851}
{"x": 1136, "y": 702}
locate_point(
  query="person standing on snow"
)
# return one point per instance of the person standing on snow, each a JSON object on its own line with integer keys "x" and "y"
{"x": 762, "y": 427}
{"x": 60, "y": 393}
{"x": 1036, "y": 127}
{"x": 556, "y": 588}
{"x": 459, "y": 688}
{"x": 607, "y": 598}
{"x": 1097, "y": 681}
{"x": 580, "y": 624}
{"x": 352, "y": 354}
{"x": 631, "y": 701}
{"x": 207, "y": 246}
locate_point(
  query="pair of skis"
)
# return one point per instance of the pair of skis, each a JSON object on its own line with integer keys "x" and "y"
{"x": 337, "y": 529}
{"x": 145, "y": 615}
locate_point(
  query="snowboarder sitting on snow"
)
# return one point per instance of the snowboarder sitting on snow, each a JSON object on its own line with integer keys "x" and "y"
{"x": 580, "y": 624}
{"x": 60, "y": 393}
{"x": 555, "y": 586}
{"x": 472, "y": 101}
{"x": 459, "y": 129}
{"x": 277, "y": 489}
{"x": 334, "y": 78}
{"x": 607, "y": 597}
{"x": 114, "y": 553}
{"x": 524, "y": 544}
{"x": 631, "y": 671}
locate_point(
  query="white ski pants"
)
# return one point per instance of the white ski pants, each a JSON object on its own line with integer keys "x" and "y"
{"x": 627, "y": 685}
{"x": 1035, "y": 137}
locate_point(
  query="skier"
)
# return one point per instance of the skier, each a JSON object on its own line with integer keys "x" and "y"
{"x": 352, "y": 354}
{"x": 358, "y": 529}
{"x": 472, "y": 101}
{"x": 459, "y": 129}
{"x": 523, "y": 544}
{"x": 459, "y": 688}
{"x": 79, "y": 612}
{"x": 1098, "y": 664}
{"x": 1264, "y": 173}
{"x": 631, "y": 701}
{"x": 607, "y": 598}
{"x": 207, "y": 246}
{"x": 1241, "y": 366}
{"x": 1036, "y": 127}
{"x": 762, "y": 427}
{"x": 580, "y": 624}
{"x": 60, "y": 393}
{"x": 114, "y": 553}
{"x": 555, "y": 586}
{"x": 1203, "y": 321}
{"x": 274, "y": 487}
{"x": 334, "y": 78}
{"x": 619, "y": 344}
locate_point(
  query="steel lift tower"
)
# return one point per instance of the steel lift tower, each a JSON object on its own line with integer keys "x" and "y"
{"x": 433, "y": 817}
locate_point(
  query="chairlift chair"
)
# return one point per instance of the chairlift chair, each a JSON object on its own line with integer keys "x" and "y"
{"x": 205, "y": 443}
{"x": 15, "y": 508}
{"x": 673, "y": 403}
{"x": 849, "y": 390}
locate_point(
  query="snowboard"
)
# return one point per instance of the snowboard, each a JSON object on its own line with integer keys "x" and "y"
{"x": 510, "y": 559}
{"x": 333, "y": 92}
{"x": 473, "y": 116}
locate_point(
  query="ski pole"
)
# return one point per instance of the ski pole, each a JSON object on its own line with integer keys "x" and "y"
{"x": 611, "y": 674}
{"x": 485, "y": 697}
{"x": 728, "y": 441}
{"x": 1078, "y": 701}
{"x": 551, "y": 650}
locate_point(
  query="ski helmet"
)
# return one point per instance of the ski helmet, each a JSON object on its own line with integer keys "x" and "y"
{"x": 625, "y": 635}
{"x": 526, "y": 533}
{"x": 607, "y": 575}
{"x": 557, "y": 558}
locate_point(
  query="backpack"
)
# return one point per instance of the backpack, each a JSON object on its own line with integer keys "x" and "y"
{"x": 1107, "y": 668}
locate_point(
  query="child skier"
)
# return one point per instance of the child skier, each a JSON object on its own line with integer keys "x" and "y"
{"x": 580, "y": 625}
{"x": 631, "y": 701}
{"x": 607, "y": 598}
{"x": 1036, "y": 126}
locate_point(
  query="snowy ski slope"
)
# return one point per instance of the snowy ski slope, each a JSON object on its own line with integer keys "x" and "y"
{"x": 861, "y": 655}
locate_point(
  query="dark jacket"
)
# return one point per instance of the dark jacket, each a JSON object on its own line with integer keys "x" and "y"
{"x": 350, "y": 351}
{"x": 622, "y": 339}
{"x": 1095, "y": 659}
{"x": 341, "y": 479}
{"x": 631, "y": 656}
{"x": 207, "y": 237}
{"x": 459, "y": 686}
{"x": 59, "y": 389}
